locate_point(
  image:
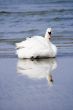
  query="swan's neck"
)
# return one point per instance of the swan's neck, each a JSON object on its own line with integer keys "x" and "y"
{"x": 47, "y": 37}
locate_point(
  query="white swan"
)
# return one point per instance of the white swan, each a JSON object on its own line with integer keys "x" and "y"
{"x": 36, "y": 46}
{"x": 37, "y": 69}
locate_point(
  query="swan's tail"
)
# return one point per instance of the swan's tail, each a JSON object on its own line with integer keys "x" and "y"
{"x": 19, "y": 45}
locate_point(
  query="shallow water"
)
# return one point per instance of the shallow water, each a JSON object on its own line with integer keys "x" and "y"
{"x": 26, "y": 84}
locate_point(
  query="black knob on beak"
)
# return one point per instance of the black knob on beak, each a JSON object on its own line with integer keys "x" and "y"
{"x": 49, "y": 33}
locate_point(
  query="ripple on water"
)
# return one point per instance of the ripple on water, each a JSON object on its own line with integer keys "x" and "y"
{"x": 24, "y": 20}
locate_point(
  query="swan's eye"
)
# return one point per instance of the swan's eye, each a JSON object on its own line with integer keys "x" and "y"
{"x": 49, "y": 33}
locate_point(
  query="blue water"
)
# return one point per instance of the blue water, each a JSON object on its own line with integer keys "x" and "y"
{"x": 20, "y": 89}
{"x": 20, "y": 19}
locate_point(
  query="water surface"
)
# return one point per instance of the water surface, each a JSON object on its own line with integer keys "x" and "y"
{"x": 44, "y": 84}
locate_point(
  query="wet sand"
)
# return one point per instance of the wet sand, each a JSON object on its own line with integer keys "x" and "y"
{"x": 24, "y": 86}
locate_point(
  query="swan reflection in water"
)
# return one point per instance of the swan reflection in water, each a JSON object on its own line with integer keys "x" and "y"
{"x": 37, "y": 69}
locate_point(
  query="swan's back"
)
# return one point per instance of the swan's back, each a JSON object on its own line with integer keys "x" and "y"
{"x": 34, "y": 42}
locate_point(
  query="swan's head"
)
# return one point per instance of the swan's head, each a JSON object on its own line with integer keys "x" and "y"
{"x": 48, "y": 33}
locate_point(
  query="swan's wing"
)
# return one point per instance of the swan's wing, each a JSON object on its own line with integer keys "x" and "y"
{"x": 23, "y": 44}
{"x": 30, "y": 42}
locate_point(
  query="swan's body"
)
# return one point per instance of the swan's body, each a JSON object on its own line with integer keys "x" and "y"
{"x": 36, "y": 46}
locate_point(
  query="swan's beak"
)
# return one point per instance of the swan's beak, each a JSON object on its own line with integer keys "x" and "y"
{"x": 49, "y": 35}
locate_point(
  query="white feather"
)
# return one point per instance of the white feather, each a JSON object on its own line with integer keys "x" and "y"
{"x": 36, "y": 46}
